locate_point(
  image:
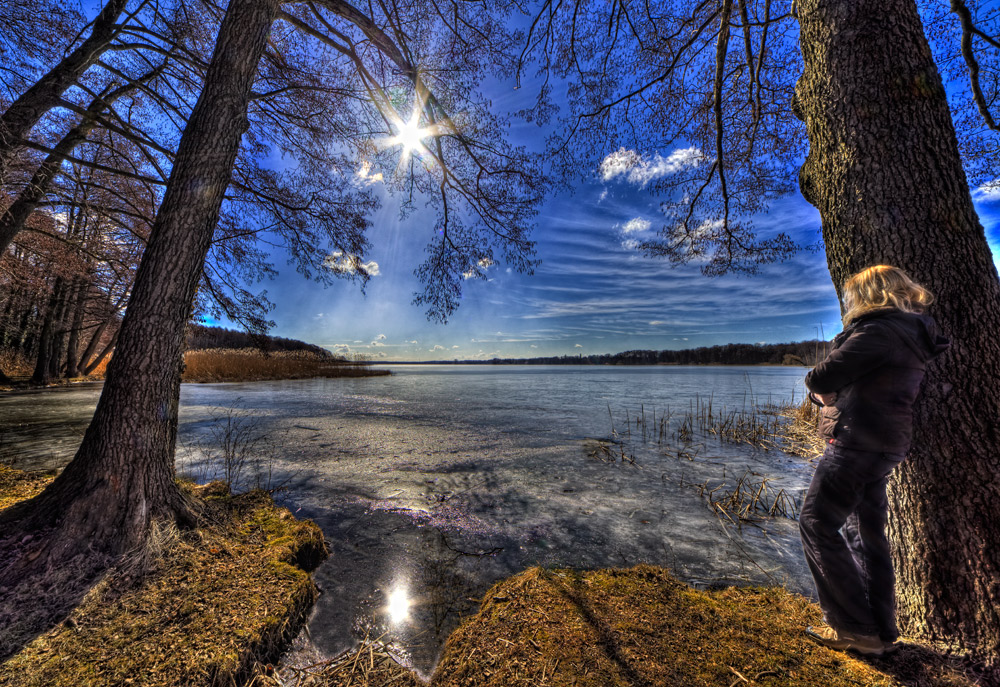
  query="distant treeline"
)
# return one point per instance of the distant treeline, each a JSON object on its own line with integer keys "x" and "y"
{"x": 798, "y": 353}
{"x": 201, "y": 337}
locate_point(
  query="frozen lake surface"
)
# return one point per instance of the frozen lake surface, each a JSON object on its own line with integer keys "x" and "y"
{"x": 435, "y": 482}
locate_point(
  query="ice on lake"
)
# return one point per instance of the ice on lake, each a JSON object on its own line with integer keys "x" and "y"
{"x": 432, "y": 484}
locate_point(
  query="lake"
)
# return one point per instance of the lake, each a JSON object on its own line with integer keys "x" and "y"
{"x": 433, "y": 483}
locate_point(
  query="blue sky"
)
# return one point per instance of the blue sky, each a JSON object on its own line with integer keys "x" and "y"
{"x": 593, "y": 292}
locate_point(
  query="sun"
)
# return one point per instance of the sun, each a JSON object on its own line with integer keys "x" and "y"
{"x": 410, "y": 134}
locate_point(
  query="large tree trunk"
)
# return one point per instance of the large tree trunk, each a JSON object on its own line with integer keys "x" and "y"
{"x": 122, "y": 477}
{"x": 884, "y": 172}
{"x": 25, "y": 112}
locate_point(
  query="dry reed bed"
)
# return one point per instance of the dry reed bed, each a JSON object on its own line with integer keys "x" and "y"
{"x": 250, "y": 364}
{"x": 637, "y": 627}
{"x": 209, "y": 606}
{"x": 787, "y": 427}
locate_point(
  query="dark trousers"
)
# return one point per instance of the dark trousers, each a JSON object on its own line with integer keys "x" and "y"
{"x": 843, "y": 535}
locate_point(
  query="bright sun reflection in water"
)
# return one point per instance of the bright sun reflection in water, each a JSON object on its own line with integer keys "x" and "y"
{"x": 399, "y": 606}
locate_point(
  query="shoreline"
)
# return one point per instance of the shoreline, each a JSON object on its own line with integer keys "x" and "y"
{"x": 199, "y": 615}
{"x": 213, "y": 605}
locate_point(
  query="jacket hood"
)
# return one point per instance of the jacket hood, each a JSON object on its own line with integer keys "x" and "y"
{"x": 918, "y": 331}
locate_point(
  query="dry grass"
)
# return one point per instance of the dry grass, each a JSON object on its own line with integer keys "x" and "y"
{"x": 250, "y": 364}
{"x": 638, "y": 627}
{"x": 752, "y": 498}
{"x": 209, "y": 605}
{"x": 16, "y": 485}
{"x": 14, "y": 364}
{"x": 368, "y": 665}
{"x": 798, "y": 434}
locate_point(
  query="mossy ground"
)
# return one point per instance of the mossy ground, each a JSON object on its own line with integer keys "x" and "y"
{"x": 640, "y": 627}
{"x": 202, "y": 607}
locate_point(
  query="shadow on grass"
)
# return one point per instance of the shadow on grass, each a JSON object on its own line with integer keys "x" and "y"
{"x": 916, "y": 665}
{"x": 36, "y": 603}
{"x": 606, "y": 640}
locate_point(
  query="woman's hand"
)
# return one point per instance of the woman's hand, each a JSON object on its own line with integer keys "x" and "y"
{"x": 826, "y": 399}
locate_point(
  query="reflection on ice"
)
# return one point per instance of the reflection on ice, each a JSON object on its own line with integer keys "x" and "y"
{"x": 398, "y": 607}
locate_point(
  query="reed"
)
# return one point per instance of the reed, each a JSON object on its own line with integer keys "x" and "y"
{"x": 749, "y": 500}
{"x": 788, "y": 427}
{"x": 250, "y": 364}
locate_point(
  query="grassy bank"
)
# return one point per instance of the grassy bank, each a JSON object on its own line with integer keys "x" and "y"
{"x": 210, "y": 605}
{"x": 639, "y": 627}
{"x": 250, "y": 364}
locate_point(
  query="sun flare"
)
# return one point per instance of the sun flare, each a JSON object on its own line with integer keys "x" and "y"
{"x": 410, "y": 134}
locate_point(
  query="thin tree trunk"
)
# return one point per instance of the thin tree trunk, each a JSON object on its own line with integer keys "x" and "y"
{"x": 92, "y": 365}
{"x": 25, "y": 112}
{"x": 885, "y": 173}
{"x": 123, "y": 474}
{"x": 45, "y": 347}
{"x": 95, "y": 339}
{"x": 77, "y": 310}
{"x": 61, "y": 330}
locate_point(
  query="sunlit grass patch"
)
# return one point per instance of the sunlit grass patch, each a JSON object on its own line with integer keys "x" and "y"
{"x": 203, "y": 610}
{"x": 640, "y": 626}
{"x": 250, "y": 364}
{"x": 16, "y": 485}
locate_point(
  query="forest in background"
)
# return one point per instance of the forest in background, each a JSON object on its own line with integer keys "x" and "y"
{"x": 797, "y": 353}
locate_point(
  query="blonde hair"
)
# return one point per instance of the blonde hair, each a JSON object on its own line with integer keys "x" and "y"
{"x": 882, "y": 286}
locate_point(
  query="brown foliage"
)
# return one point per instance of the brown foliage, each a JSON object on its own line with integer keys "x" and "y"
{"x": 249, "y": 364}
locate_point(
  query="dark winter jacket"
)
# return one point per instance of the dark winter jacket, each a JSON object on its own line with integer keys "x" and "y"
{"x": 875, "y": 368}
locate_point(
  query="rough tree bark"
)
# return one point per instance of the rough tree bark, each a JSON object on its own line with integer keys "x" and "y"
{"x": 122, "y": 477}
{"x": 884, "y": 172}
{"x": 25, "y": 112}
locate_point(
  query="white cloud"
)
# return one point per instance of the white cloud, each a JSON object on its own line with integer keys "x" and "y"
{"x": 637, "y": 169}
{"x": 414, "y": 342}
{"x": 636, "y": 224}
{"x": 454, "y": 347}
{"x": 437, "y": 347}
{"x": 350, "y": 264}
{"x": 479, "y": 269}
{"x": 380, "y": 337}
{"x": 656, "y": 322}
{"x": 365, "y": 176}
{"x": 604, "y": 194}
{"x": 988, "y": 192}
{"x": 577, "y": 346}
{"x": 532, "y": 346}
{"x": 377, "y": 343}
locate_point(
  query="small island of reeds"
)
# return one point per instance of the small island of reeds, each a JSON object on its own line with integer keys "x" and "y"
{"x": 253, "y": 364}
